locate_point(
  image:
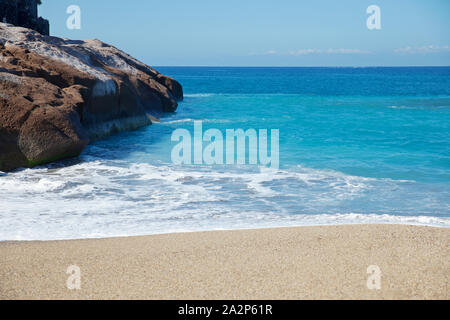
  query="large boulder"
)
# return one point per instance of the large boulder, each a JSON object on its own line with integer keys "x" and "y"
{"x": 57, "y": 94}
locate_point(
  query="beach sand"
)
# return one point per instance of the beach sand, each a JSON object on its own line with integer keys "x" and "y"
{"x": 327, "y": 262}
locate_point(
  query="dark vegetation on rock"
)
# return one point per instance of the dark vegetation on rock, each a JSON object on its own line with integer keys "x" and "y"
{"x": 23, "y": 13}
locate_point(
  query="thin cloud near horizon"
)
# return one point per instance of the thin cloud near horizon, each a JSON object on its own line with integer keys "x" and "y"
{"x": 315, "y": 51}
{"x": 328, "y": 51}
{"x": 301, "y": 52}
{"x": 423, "y": 49}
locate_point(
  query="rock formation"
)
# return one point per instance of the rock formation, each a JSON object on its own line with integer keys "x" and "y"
{"x": 57, "y": 94}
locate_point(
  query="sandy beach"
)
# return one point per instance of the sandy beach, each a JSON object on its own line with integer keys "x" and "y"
{"x": 328, "y": 262}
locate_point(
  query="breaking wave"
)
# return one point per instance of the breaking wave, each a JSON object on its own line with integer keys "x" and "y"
{"x": 106, "y": 198}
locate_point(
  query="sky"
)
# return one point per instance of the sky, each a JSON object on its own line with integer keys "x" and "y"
{"x": 263, "y": 32}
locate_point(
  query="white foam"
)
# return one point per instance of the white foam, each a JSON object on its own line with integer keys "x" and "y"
{"x": 103, "y": 198}
{"x": 199, "y": 95}
{"x": 399, "y": 107}
{"x": 189, "y": 120}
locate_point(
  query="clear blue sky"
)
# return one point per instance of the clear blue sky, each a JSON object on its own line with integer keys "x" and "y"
{"x": 263, "y": 32}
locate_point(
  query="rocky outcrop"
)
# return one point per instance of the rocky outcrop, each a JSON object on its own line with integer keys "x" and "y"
{"x": 57, "y": 94}
{"x": 23, "y": 13}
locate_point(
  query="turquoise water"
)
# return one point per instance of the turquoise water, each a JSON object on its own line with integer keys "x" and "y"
{"x": 357, "y": 145}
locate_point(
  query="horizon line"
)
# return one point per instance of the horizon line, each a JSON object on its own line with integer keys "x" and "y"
{"x": 231, "y": 66}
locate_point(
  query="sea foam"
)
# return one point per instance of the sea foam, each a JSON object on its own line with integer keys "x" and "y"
{"x": 104, "y": 198}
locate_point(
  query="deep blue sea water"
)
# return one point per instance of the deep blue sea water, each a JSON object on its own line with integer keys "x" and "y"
{"x": 357, "y": 145}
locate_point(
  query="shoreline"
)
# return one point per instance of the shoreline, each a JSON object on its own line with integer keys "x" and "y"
{"x": 168, "y": 233}
{"x": 321, "y": 262}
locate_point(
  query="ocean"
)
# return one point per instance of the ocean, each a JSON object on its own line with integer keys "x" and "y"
{"x": 356, "y": 145}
